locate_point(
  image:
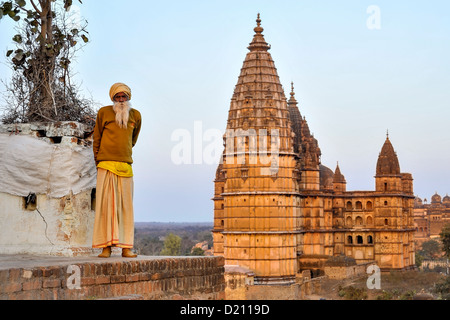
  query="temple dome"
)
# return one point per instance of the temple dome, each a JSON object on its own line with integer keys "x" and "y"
{"x": 418, "y": 202}
{"x": 436, "y": 198}
{"x": 326, "y": 177}
{"x": 446, "y": 199}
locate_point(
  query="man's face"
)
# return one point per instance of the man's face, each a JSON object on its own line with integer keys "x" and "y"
{"x": 121, "y": 97}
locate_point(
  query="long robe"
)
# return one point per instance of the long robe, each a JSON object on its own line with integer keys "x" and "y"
{"x": 114, "y": 219}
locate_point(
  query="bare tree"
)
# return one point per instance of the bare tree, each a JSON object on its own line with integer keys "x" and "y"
{"x": 41, "y": 88}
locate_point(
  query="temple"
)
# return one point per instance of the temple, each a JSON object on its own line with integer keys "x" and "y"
{"x": 278, "y": 211}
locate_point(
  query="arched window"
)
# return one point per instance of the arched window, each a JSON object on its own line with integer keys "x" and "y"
{"x": 359, "y": 239}
{"x": 350, "y": 240}
{"x": 386, "y": 222}
{"x": 349, "y": 205}
{"x": 359, "y": 221}
{"x": 369, "y": 239}
{"x": 358, "y": 205}
{"x": 369, "y": 220}
{"x": 349, "y": 221}
{"x": 369, "y": 205}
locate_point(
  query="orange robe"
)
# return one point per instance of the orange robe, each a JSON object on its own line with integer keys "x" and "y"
{"x": 114, "y": 218}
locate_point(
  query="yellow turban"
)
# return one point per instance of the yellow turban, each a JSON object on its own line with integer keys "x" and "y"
{"x": 119, "y": 87}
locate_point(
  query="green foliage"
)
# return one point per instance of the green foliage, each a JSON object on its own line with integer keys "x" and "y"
{"x": 172, "y": 245}
{"x": 445, "y": 237}
{"x": 419, "y": 259}
{"x": 385, "y": 295}
{"x": 408, "y": 295}
{"x": 443, "y": 289}
{"x": 352, "y": 293}
{"x": 396, "y": 294}
{"x": 197, "y": 252}
{"x": 148, "y": 245}
{"x": 393, "y": 294}
{"x": 149, "y": 237}
{"x": 41, "y": 89}
{"x": 431, "y": 250}
{"x": 36, "y": 16}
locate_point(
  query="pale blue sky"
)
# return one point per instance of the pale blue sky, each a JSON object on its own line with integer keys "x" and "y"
{"x": 182, "y": 60}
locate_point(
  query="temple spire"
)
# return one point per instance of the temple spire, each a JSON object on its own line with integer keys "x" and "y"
{"x": 259, "y": 43}
{"x": 338, "y": 176}
{"x": 388, "y": 163}
{"x": 292, "y": 101}
{"x": 258, "y": 80}
{"x": 259, "y": 105}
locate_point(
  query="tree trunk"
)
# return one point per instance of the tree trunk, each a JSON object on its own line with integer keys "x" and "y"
{"x": 47, "y": 108}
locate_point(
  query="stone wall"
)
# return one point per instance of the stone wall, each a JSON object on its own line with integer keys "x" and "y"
{"x": 146, "y": 278}
{"x": 237, "y": 280}
{"x": 347, "y": 272}
{"x": 240, "y": 285}
{"x": 274, "y": 292}
{"x": 432, "y": 264}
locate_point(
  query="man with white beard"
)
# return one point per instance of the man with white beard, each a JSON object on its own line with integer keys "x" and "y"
{"x": 116, "y": 132}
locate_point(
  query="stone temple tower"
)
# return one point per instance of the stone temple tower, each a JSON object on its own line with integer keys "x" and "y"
{"x": 393, "y": 211}
{"x": 279, "y": 211}
{"x": 255, "y": 209}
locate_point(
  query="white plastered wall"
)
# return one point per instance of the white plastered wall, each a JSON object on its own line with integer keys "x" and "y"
{"x": 54, "y": 162}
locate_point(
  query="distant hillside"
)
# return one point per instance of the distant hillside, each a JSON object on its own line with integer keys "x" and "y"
{"x": 171, "y": 225}
{"x": 149, "y": 236}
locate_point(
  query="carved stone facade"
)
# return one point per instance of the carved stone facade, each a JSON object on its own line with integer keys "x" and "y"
{"x": 276, "y": 205}
{"x": 430, "y": 218}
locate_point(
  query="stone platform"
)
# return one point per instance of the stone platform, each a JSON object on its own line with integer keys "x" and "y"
{"x": 28, "y": 277}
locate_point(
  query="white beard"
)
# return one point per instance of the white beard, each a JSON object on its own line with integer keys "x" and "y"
{"x": 122, "y": 110}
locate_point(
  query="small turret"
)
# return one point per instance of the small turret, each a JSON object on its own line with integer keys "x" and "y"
{"x": 339, "y": 182}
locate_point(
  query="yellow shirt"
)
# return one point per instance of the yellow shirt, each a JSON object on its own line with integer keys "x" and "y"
{"x": 122, "y": 169}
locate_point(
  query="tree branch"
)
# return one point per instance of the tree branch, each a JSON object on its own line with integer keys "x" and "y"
{"x": 35, "y": 7}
